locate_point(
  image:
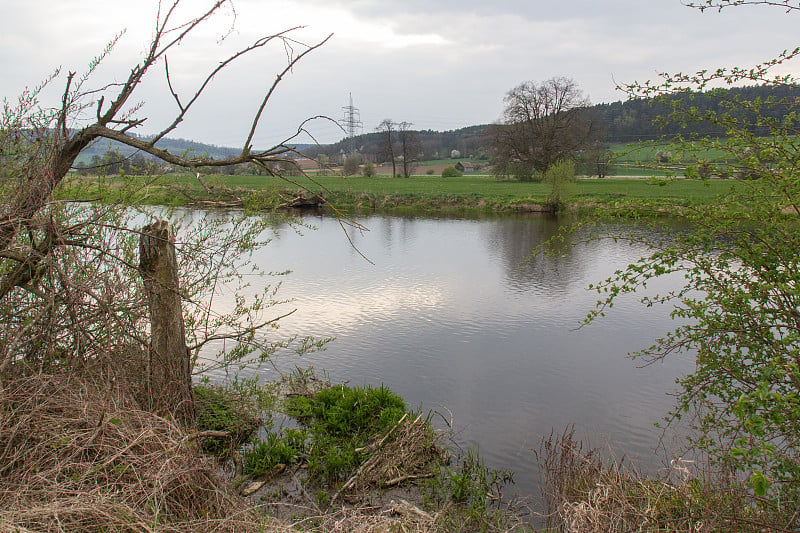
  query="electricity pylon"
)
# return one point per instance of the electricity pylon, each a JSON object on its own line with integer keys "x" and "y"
{"x": 352, "y": 124}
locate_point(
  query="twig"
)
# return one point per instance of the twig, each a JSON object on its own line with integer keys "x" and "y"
{"x": 369, "y": 462}
{"x": 206, "y": 434}
{"x": 401, "y": 479}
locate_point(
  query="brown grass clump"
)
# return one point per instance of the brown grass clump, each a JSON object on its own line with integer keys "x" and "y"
{"x": 76, "y": 458}
{"x": 585, "y": 493}
{"x": 405, "y": 453}
{"x": 398, "y": 515}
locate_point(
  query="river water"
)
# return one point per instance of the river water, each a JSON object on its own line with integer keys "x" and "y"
{"x": 457, "y": 317}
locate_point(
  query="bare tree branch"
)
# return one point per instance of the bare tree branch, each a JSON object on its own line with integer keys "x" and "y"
{"x": 719, "y": 5}
{"x": 256, "y": 120}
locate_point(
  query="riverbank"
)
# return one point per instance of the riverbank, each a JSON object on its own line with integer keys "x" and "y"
{"x": 418, "y": 194}
{"x": 79, "y": 457}
{"x": 439, "y": 245}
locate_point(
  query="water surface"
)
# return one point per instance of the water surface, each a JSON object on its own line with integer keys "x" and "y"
{"x": 456, "y": 316}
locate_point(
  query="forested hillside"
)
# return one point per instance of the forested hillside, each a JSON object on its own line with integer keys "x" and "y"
{"x": 637, "y": 119}
{"x": 175, "y": 146}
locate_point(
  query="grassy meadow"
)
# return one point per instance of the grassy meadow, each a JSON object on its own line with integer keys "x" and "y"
{"x": 422, "y": 193}
{"x": 643, "y": 177}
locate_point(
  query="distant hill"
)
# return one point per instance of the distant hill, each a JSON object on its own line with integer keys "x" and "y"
{"x": 469, "y": 141}
{"x": 623, "y": 121}
{"x": 175, "y": 146}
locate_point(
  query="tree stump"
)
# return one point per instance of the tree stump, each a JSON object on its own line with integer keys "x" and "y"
{"x": 168, "y": 377}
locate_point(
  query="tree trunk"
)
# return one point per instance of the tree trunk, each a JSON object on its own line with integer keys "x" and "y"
{"x": 167, "y": 370}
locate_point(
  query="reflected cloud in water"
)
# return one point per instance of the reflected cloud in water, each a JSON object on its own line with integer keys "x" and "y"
{"x": 452, "y": 313}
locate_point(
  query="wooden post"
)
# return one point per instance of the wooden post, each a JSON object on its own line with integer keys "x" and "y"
{"x": 167, "y": 370}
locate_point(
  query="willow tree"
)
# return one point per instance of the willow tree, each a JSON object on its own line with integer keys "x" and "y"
{"x": 70, "y": 294}
{"x": 740, "y": 305}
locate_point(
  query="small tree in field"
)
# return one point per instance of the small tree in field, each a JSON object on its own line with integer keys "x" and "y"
{"x": 351, "y": 164}
{"x": 560, "y": 181}
{"x": 387, "y": 129}
{"x": 409, "y": 147}
{"x": 451, "y": 172}
{"x": 368, "y": 170}
{"x": 597, "y": 160}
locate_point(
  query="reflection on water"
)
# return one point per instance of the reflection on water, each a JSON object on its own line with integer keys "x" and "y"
{"x": 455, "y": 314}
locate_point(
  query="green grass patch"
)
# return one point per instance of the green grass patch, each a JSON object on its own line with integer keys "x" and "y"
{"x": 660, "y": 158}
{"x": 276, "y": 452}
{"x": 352, "y": 440}
{"x": 418, "y": 194}
{"x": 341, "y": 420}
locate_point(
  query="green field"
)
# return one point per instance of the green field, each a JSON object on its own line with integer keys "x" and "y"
{"x": 422, "y": 193}
{"x": 642, "y": 159}
{"x": 486, "y": 187}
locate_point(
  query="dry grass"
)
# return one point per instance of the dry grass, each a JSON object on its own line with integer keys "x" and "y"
{"x": 76, "y": 458}
{"x": 405, "y": 453}
{"x": 398, "y": 516}
{"x": 585, "y": 493}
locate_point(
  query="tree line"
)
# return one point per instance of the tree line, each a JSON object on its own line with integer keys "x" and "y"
{"x": 633, "y": 120}
{"x": 646, "y": 118}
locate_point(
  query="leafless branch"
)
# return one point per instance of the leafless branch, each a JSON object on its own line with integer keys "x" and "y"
{"x": 719, "y": 5}
{"x": 239, "y": 335}
{"x": 76, "y": 299}
{"x": 256, "y": 120}
{"x": 171, "y": 90}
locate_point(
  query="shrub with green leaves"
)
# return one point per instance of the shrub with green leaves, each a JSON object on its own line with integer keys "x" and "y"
{"x": 738, "y": 310}
{"x": 262, "y": 200}
{"x": 368, "y": 170}
{"x": 560, "y": 180}
{"x": 451, "y": 172}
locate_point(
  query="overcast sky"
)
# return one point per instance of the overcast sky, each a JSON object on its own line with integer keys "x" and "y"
{"x": 439, "y": 64}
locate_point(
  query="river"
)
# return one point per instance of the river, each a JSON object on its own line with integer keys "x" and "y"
{"x": 457, "y": 317}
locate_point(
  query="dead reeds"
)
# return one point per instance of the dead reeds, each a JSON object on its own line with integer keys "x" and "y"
{"x": 404, "y": 453}
{"x": 398, "y": 515}
{"x": 74, "y": 457}
{"x": 583, "y": 491}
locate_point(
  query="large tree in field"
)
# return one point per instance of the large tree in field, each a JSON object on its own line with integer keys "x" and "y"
{"x": 410, "y": 146}
{"x": 387, "y": 129}
{"x": 740, "y": 259}
{"x": 71, "y": 295}
{"x": 542, "y": 124}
